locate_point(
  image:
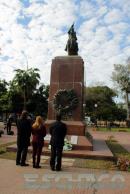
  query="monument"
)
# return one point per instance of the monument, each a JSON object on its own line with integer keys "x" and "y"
{"x": 67, "y": 88}
{"x": 67, "y": 73}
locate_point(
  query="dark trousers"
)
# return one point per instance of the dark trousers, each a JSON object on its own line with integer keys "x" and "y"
{"x": 37, "y": 150}
{"x": 56, "y": 157}
{"x": 21, "y": 154}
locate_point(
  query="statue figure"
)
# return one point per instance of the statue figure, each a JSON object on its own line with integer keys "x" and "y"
{"x": 72, "y": 45}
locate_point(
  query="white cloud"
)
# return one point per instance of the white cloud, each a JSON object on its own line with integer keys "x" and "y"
{"x": 53, "y": 13}
{"x": 102, "y": 31}
{"x": 113, "y": 16}
{"x": 87, "y": 9}
{"x": 119, "y": 28}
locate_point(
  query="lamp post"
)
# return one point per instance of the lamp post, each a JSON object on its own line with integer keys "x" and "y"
{"x": 25, "y": 86}
{"x": 95, "y": 105}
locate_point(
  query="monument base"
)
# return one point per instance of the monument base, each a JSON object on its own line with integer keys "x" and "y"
{"x": 73, "y": 127}
{"x": 78, "y": 142}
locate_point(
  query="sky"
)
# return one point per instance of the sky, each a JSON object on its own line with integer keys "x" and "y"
{"x": 33, "y": 32}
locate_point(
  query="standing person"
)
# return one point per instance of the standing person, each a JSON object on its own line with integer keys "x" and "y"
{"x": 8, "y": 125}
{"x": 23, "y": 138}
{"x": 58, "y": 132}
{"x": 38, "y": 133}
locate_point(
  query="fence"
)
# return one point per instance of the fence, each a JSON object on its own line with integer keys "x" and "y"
{"x": 121, "y": 124}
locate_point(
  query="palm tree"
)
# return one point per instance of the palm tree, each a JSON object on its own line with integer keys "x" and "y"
{"x": 26, "y": 81}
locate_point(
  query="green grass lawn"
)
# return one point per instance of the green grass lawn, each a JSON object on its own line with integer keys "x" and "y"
{"x": 113, "y": 129}
{"x": 95, "y": 164}
{"x": 7, "y": 155}
{"x": 117, "y": 149}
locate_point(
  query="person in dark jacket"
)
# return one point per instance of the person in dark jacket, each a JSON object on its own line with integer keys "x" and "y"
{"x": 23, "y": 138}
{"x": 58, "y": 132}
{"x": 38, "y": 134}
{"x": 9, "y": 123}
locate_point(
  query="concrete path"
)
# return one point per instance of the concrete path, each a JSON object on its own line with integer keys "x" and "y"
{"x": 122, "y": 137}
{"x": 26, "y": 180}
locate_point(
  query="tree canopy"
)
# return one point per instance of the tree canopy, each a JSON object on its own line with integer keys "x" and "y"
{"x": 100, "y": 103}
{"x": 24, "y": 92}
{"x": 25, "y": 81}
{"x": 3, "y": 96}
{"x": 121, "y": 76}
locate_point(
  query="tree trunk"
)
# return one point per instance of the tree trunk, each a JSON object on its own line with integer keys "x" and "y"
{"x": 128, "y": 110}
{"x": 127, "y": 106}
{"x": 24, "y": 103}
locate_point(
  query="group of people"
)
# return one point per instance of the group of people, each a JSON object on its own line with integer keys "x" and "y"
{"x": 38, "y": 130}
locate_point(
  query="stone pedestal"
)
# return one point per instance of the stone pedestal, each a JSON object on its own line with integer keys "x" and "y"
{"x": 67, "y": 72}
{"x": 73, "y": 127}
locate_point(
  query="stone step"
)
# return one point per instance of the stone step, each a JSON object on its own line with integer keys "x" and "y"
{"x": 96, "y": 154}
{"x": 78, "y": 142}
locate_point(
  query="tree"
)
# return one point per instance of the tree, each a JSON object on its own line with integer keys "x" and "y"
{"x": 121, "y": 76}
{"x": 38, "y": 103}
{"x": 100, "y": 103}
{"x": 26, "y": 81}
{"x": 4, "y": 105}
{"x": 3, "y": 87}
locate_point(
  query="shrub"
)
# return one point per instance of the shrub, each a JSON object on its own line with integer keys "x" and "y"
{"x": 123, "y": 164}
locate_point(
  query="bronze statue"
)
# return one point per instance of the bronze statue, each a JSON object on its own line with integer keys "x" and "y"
{"x": 72, "y": 45}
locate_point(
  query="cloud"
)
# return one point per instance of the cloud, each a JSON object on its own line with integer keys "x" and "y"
{"x": 35, "y": 31}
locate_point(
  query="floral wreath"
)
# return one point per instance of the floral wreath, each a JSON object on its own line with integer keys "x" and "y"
{"x": 65, "y": 101}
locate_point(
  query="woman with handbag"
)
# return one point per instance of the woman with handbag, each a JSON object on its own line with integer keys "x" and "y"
{"x": 38, "y": 134}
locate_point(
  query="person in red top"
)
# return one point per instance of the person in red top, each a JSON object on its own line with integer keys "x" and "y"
{"x": 38, "y": 134}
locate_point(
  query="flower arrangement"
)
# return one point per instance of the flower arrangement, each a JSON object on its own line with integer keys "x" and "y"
{"x": 123, "y": 164}
{"x": 67, "y": 145}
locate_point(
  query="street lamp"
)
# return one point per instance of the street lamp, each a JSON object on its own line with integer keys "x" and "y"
{"x": 95, "y": 105}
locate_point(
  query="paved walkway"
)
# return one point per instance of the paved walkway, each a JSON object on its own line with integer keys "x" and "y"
{"x": 26, "y": 180}
{"x": 122, "y": 137}
{"x": 7, "y": 139}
